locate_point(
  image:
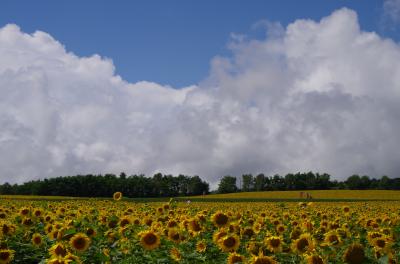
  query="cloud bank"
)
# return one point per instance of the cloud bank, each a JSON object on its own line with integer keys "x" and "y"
{"x": 316, "y": 95}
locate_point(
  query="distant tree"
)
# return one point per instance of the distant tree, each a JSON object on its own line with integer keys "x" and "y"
{"x": 122, "y": 175}
{"x": 384, "y": 182}
{"x": 365, "y": 182}
{"x": 277, "y": 183}
{"x": 291, "y": 181}
{"x": 259, "y": 182}
{"x": 227, "y": 185}
{"x": 353, "y": 182}
{"x": 6, "y": 188}
{"x": 247, "y": 183}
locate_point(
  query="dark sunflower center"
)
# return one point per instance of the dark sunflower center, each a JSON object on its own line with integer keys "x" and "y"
{"x": 355, "y": 255}
{"x": 172, "y": 224}
{"x": 4, "y": 255}
{"x": 221, "y": 219}
{"x": 175, "y": 237}
{"x": 60, "y": 251}
{"x": 316, "y": 260}
{"x": 79, "y": 243}
{"x": 90, "y": 232}
{"x": 5, "y": 229}
{"x": 333, "y": 239}
{"x": 150, "y": 239}
{"x": 236, "y": 259}
{"x": 380, "y": 243}
{"x": 263, "y": 260}
{"x": 248, "y": 232}
{"x": 196, "y": 226}
{"x": 275, "y": 242}
{"x": 302, "y": 244}
{"x": 124, "y": 222}
{"x": 375, "y": 235}
{"x": 229, "y": 242}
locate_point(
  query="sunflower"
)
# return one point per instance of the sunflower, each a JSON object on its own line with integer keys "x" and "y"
{"x": 48, "y": 228}
{"x": 381, "y": 244}
{"x": 53, "y": 234}
{"x": 73, "y": 258}
{"x": 261, "y": 259}
{"x": 58, "y": 250}
{"x": 253, "y": 247}
{"x": 27, "y": 222}
{"x": 58, "y": 260}
{"x": 280, "y": 229}
{"x": 91, "y": 232}
{"x": 48, "y": 218}
{"x": 80, "y": 242}
{"x": 220, "y": 219}
{"x": 174, "y": 235}
{"x": 235, "y": 258}
{"x": 303, "y": 244}
{"x": 314, "y": 259}
{"x": 354, "y": 254}
{"x": 172, "y": 223}
{"x": 229, "y": 243}
{"x": 201, "y": 246}
{"x": 117, "y": 196}
{"x": 124, "y": 221}
{"x": 37, "y": 239}
{"x": 274, "y": 244}
{"x": 332, "y": 238}
{"x": 343, "y": 233}
{"x": 149, "y": 239}
{"x": 295, "y": 234}
{"x": 24, "y": 211}
{"x": 175, "y": 254}
{"x": 194, "y": 225}
{"x": 308, "y": 226}
{"x": 247, "y": 232}
{"x": 7, "y": 229}
{"x": 373, "y": 235}
{"x": 6, "y": 256}
{"x": 218, "y": 235}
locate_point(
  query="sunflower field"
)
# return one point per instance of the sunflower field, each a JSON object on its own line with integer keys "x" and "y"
{"x": 120, "y": 231}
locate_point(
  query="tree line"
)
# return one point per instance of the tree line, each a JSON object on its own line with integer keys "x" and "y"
{"x": 303, "y": 181}
{"x": 182, "y": 185}
{"x": 105, "y": 185}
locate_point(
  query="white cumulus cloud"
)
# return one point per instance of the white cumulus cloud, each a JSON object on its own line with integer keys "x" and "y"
{"x": 316, "y": 95}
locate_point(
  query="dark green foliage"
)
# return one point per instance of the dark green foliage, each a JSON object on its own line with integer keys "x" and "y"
{"x": 305, "y": 181}
{"x": 227, "y": 185}
{"x": 105, "y": 185}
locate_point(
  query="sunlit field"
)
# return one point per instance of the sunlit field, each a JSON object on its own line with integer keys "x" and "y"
{"x": 120, "y": 231}
{"x": 315, "y": 194}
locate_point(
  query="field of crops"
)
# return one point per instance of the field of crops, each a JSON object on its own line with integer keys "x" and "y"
{"x": 316, "y": 194}
{"x": 118, "y": 231}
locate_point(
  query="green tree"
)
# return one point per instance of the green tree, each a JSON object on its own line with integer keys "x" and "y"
{"x": 247, "y": 183}
{"x": 259, "y": 182}
{"x": 353, "y": 182}
{"x": 227, "y": 185}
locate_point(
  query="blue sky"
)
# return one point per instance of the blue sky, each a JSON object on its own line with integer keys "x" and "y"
{"x": 168, "y": 42}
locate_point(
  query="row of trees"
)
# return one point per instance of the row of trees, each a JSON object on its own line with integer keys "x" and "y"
{"x": 303, "y": 181}
{"x": 167, "y": 185}
{"x": 105, "y": 185}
